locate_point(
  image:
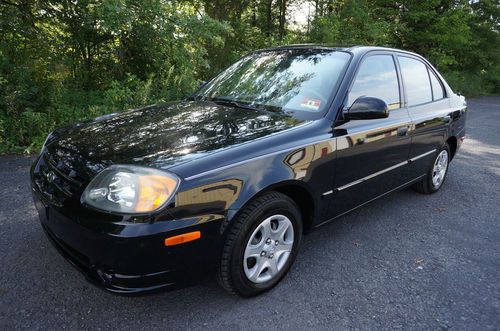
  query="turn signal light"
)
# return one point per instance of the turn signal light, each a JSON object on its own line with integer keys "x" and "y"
{"x": 182, "y": 238}
{"x": 154, "y": 190}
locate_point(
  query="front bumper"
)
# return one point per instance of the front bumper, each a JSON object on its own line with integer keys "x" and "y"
{"x": 128, "y": 258}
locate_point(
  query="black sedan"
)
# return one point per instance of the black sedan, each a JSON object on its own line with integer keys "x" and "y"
{"x": 227, "y": 181}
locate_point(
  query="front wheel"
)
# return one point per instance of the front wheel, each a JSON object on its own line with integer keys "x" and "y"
{"x": 436, "y": 174}
{"x": 261, "y": 245}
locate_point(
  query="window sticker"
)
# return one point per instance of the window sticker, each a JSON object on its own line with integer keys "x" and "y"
{"x": 311, "y": 103}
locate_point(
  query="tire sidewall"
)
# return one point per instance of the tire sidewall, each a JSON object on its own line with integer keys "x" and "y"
{"x": 281, "y": 207}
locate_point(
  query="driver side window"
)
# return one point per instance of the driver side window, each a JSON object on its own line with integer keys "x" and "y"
{"x": 377, "y": 78}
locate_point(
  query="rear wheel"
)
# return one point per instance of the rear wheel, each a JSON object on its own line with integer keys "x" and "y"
{"x": 436, "y": 174}
{"x": 261, "y": 245}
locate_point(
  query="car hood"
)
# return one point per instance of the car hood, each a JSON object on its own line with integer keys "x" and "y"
{"x": 161, "y": 136}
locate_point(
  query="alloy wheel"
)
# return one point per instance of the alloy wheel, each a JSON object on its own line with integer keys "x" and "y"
{"x": 439, "y": 169}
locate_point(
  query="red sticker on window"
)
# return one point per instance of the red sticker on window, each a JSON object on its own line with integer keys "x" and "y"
{"x": 311, "y": 103}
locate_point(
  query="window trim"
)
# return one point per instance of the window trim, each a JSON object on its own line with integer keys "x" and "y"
{"x": 443, "y": 90}
{"x": 429, "y": 68}
{"x": 430, "y": 82}
{"x": 398, "y": 76}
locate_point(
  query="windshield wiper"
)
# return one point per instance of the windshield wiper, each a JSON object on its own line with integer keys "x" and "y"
{"x": 233, "y": 103}
{"x": 238, "y": 104}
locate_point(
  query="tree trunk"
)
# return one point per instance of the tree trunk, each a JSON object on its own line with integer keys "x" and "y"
{"x": 269, "y": 17}
{"x": 254, "y": 13}
{"x": 282, "y": 21}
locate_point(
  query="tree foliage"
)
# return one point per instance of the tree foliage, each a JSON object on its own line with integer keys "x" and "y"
{"x": 67, "y": 60}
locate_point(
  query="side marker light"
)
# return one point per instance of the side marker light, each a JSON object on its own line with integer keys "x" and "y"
{"x": 182, "y": 238}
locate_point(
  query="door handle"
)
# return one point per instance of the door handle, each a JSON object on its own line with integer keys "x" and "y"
{"x": 403, "y": 131}
{"x": 447, "y": 119}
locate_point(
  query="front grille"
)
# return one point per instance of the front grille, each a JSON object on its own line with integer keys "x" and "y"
{"x": 55, "y": 178}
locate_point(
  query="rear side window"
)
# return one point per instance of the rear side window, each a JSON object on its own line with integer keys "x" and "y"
{"x": 377, "y": 77}
{"x": 416, "y": 80}
{"x": 437, "y": 88}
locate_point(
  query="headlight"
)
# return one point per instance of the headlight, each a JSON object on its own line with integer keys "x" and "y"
{"x": 130, "y": 189}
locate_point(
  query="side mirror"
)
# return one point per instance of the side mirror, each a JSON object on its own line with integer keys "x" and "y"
{"x": 367, "y": 108}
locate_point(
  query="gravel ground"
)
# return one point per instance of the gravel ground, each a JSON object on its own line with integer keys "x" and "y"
{"x": 408, "y": 261}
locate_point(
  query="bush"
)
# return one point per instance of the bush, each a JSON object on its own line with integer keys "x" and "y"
{"x": 25, "y": 131}
{"x": 469, "y": 84}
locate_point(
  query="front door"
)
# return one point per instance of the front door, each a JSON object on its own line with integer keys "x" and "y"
{"x": 371, "y": 154}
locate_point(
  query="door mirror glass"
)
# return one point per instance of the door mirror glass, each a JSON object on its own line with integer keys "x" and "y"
{"x": 367, "y": 108}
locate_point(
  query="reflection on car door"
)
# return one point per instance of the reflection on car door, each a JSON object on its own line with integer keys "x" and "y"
{"x": 371, "y": 154}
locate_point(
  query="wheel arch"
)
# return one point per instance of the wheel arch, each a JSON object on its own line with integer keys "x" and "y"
{"x": 452, "y": 142}
{"x": 296, "y": 190}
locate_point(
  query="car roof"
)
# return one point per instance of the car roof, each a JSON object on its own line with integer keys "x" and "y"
{"x": 355, "y": 49}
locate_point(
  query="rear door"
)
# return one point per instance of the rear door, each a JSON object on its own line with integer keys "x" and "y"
{"x": 429, "y": 109}
{"x": 371, "y": 154}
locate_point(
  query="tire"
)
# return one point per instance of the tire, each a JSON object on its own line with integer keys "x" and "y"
{"x": 246, "y": 237}
{"x": 428, "y": 185}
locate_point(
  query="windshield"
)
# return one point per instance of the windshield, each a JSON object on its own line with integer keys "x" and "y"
{"x": 297, "y": 82}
